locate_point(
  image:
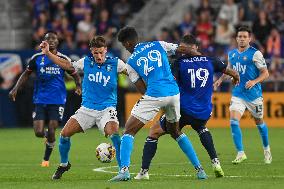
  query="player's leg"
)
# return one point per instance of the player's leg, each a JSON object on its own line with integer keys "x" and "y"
{"x": 143, "y": 111}
{"x": 38, "y": 125}
{"x": 55, "y": 114}
{"x": 207, "y": 141}
{"x": 109, "y": 125}
{"x": 172, "y": 112}
{"x": 150, "y": 147}
{"x": 79, "y": 122}
{"x": 38, "y": 120}
{"x": 256, "y": 109}
{"x": 237, "y": 109}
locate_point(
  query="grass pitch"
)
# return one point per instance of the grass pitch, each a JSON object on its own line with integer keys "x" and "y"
{"x": 21, "y": 154}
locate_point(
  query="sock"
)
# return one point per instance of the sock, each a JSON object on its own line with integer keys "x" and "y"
{"x": 149, "y": 151}
{"x": 115, "y": 138}
{"x": 237, "y": 134}
{"x": 64, "y": 147}
{"x": 48, "y": 149}
{"x": 186, "y": 146}
{"x": 125, "y": 150}
{"x": 207, "y": 141}
{"x": 263, "y": 131}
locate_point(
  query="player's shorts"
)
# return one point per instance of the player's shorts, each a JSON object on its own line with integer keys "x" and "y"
{"x": 48, "y": 112}
{"x": 87, "y": 118}
{"x": 185, "y": 119}
{"x": 147, "y": 108}
{"x": 255, "y": 107}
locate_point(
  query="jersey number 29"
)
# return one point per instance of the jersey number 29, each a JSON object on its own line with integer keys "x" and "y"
{"x": 153, "y": 56}
{"x": 201, "y": 74}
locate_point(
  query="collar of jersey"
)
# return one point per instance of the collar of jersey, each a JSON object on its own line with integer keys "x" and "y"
{"x": 243, "y": 51}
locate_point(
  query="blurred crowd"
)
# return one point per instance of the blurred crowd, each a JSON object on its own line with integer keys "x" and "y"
{"x": 215, "y": 28}
{"x": 76, "y": 21}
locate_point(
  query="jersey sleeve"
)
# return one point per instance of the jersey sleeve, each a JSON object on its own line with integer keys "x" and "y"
{"x": 121, "y": 66}
{"x": 259, "y": 60}
{"x": 31, "y": 64}
{"x": 132, "y": 74}
{"x": 170, "y": 48}
{"x": 218, "y": 65}
{"x": 79, "y": 64}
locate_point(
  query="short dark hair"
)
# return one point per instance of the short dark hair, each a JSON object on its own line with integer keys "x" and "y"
{"x": 51, "y": 32}
{"x": 244, "y": 29}
{"x": 189, "y": 39}
{"x": 127, "y": 34}
{"x": 98, "y": 42}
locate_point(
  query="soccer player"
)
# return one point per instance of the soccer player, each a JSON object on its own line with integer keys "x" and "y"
{"x": 99, "y": 98}
{"x": 149, "y": 61}
{"x": 194, "y": 75}
{"x": 49, "y": 93}
{"x": 249, "y": 62}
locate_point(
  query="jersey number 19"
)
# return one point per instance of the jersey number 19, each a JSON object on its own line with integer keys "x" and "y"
{"x": 201, "y": 74}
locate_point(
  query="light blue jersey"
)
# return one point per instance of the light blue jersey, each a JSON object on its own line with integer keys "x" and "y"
{"x": 99, "y": 82}
{"x": 248, "y": 63}
{"x": 150, "y": 61}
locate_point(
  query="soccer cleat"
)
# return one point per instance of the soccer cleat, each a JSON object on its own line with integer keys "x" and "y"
{"x": 267, "y": 157}
{"x": 218, "y": 170}
{"x": 121, "y": 177}
{"x": 201, "y": 174}
{"x": 142, "y": 175}
{"x": 240, "y": 158}
{"x": 44, "y": 163}
{"x": 60, "y": 170}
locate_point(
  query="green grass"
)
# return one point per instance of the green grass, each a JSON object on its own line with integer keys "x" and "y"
{"x": 21, "y": 154}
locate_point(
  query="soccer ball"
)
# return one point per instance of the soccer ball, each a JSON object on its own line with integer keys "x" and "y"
{"x": 105, "y": 152}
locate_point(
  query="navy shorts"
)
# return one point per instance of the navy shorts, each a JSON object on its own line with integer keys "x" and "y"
{"x": 185, "y": 119}
{"x": 48, "y": 112}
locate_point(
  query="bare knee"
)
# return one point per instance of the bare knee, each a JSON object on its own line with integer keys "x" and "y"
{"x": 72, "y": 126}
{"x": 258, "y": 121}
{"x": 173, "y": 129}
{"x": 111, "y": 128}
{"x": 156, "y": 131}
{"x": 39, "y": 133}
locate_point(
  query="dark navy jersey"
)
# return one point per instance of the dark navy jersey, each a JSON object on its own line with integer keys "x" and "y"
{"x": 49, "y": 86}
{"x": 194, "y": 75}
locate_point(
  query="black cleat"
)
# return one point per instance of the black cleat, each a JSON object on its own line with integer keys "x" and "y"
{"x": 60, "y": 170}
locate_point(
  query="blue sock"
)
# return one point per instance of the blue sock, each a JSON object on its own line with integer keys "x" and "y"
{"x": 126, "y": 149}
{"x": 64, "y": 147}
{"x": 115, "y": 138}
{"x": 237, "y": 134}
{"x": 263, "y": 131}
{"x": 186, "y": 146}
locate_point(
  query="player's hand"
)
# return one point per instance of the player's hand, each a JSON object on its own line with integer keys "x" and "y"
{"x": 236, "y": 80}
{"x": 44, "y": 47}
{"x": 217, "y": 84}
{"x": 13, "y": 94}
{"x": 78, "y": 91}
{"x": 250, "y": 84}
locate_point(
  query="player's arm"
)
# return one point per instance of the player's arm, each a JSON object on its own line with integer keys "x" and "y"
{"x": 135, "y": 78}
{"x": 23, "y": 78}
{"x": 77, "y": 80}
{"x": 260, "y": 63}
{"x": 63, "y": 63}
{"x": 227, "y": 71}
{"x": 173, "y": 49}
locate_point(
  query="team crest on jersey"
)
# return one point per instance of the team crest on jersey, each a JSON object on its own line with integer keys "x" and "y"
{"x": 233, "y": 56}
{"x": 245, "y": 58}
{"x": 92, "y": 64}
{"x": 42, "y": 61}
{"x": 109, "y": 68}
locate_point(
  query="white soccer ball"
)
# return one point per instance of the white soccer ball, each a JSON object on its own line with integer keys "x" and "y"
{"x": 105, "y": 152}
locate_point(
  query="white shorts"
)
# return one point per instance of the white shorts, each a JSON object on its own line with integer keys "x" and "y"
{"x": 147, "y": 108}
{"x": 87, "y": 118}
{"x": 255, "y": 107}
